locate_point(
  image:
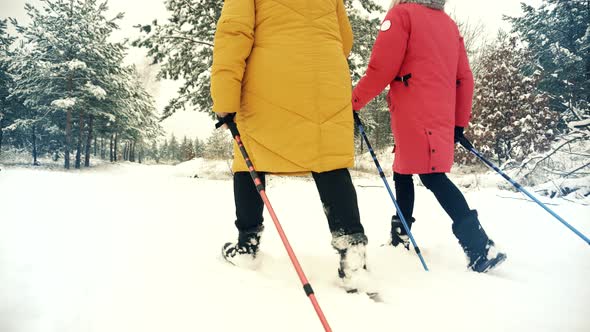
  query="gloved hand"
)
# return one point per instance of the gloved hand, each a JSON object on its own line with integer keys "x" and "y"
{"x": 459, "y": 134}
{"x": 461, "y": 139}
{"x": 223, "y": 118}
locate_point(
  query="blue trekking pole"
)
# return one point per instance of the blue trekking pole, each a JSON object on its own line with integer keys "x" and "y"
{"x": 467, "y": 145}
{"x": 357, "y": 119}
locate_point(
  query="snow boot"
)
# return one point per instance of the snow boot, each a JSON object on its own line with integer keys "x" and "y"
{"x": 353, "y": 267}
{"x": 398, "y": 232}
{"x": 488, "y": 261}
{"x": 244, "y": 252}
{"x": 480, "y": 250}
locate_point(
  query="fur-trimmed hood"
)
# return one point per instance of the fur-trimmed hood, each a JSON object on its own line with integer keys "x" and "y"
{"x": 434, "y": 4}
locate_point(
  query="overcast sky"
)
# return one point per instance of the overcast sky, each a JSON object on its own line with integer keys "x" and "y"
{"x": 197, "y": 124}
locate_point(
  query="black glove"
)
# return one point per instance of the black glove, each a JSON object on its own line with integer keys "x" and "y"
{"x": 459, "y": 134}
{"x": 461, "y": 139}
{"x": 224, "y": 120}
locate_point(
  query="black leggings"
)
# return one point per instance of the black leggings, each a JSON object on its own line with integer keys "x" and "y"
{"x": 447, "y": 194}
{"x": 336, "y": 191}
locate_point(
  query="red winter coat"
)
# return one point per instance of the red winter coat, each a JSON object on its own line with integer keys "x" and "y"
{"x": 425, "y": 44}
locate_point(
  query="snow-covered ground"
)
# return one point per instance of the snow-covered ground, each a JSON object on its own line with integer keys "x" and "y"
{"x": 133, "y": 248}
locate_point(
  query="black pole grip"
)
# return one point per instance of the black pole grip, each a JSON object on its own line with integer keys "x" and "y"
{"x": 233, "y": 128}
{"x": 466, "y": 143}
{"x": 357, "y": 119}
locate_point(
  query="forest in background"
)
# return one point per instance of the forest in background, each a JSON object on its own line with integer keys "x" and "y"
{"x": 66, "y": 95}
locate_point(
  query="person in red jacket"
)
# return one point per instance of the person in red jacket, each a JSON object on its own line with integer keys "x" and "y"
{"x": 420, "y": 54}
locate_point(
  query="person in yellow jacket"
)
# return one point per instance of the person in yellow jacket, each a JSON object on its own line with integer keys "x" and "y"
{"x": 281, "y": 66}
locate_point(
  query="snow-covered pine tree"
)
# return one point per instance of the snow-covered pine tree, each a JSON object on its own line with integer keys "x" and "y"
{"x": 68, "y": 72}
{"x": 173, "y": 149}
{"x": 219, "y": 145}
{"x": 136, "y": 122}
{"x": 187, "y": 150}
{"x": 31, "y": 123}
{"x": 365, "y": 21}
{"x": 511, "y": 116}
{"x": 165, "y": 150}
{"x": 377, "y": 124}
{"x": 199, "y": 148}
{"x": 558, "y": 36}
{"x": 67, "y": 55}
{"x": 154, "y": 152}
{"x": 5, "y": 79}
{"x": 183, "y": 47}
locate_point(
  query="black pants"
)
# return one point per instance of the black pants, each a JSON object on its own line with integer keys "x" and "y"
{"x": 336, "y": 192}
{"x": 447, "y": 194}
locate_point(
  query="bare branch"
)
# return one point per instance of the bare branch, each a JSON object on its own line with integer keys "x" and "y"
{"x": 575, "y": 170}
{"x": 546, "y": 156}
{"x": 188, "y": 39}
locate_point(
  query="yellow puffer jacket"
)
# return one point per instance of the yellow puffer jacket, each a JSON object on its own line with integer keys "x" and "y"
{"x": 281, "y": 66}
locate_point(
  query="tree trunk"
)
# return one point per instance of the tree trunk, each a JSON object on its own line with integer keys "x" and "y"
{"x": 140, "y": 154}
{"x": 95, "y": 142}
{"x": 132, "y": 152}
{"x": 35, "y": 162}
{"x": 68, "y": 139}
{"x": 115, "y": 156}
{"x": 1, "y": 137}
{"x": 89, "y": 143}
{"x": 102, "y": 152}
{"x": 80, "y": 138}
{"x": 111, "y": 149}
{"x": 125, "y": 151}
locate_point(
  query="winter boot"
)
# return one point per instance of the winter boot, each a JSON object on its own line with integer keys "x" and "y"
{"x": 480, "y": 250}
{"x": 244, "y": 252}
{"x": 398, "y": 232}
{"x": 353, "y": 267}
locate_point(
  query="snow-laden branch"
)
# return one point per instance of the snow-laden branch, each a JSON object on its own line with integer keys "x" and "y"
{"x": 64, "y": 103}
{"x": 76, "y": 64}
{"x": 579, "y": 124}
{"x": 96, "y": 91}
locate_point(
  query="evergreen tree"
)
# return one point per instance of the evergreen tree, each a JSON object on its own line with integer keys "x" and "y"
{"x": 558, "y": 36}
{"x": 165, "y": 151}
{"x": 30, "y": 119}
{"x": 377, "y": 124}
{"x": 67, "y": 53}
{"x": 5, "y": 79}
{"x": 199, "y": 148}
{"x": 173, "y": 149}
{"x": 511, "y": 117}
{"x": 71, "y": 83}
{"x": 365, "y": 26}
{"x": 187, "y": 150}
{"x": 154, "y": 153}
{"x": 136, "y": 120}
{"x": 219, "y": 145}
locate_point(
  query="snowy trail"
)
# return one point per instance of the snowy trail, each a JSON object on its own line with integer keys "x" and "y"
{"x": 145, "y": 256}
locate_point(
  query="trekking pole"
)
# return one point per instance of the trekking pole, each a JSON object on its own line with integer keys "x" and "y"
{"x": 359, "y": 123}
{"x": 229, "y": 121}
{"x": 467, "y": 145}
